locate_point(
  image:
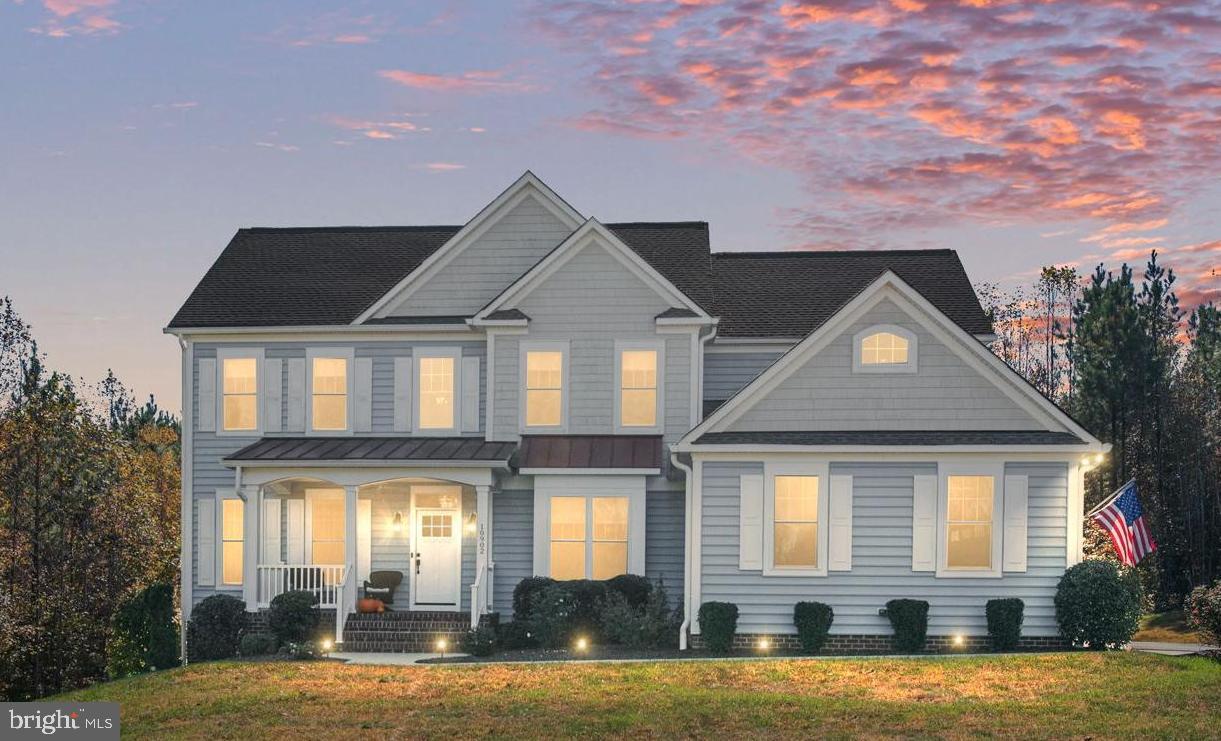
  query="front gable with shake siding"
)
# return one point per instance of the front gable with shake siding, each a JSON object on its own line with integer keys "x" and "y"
{"x": 937, "y": 475}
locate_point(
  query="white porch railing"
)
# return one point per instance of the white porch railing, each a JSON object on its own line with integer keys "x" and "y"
{"x": 347, "y": 593}
{"x": 325, "y": 581}
{"x": 481, "y": 592}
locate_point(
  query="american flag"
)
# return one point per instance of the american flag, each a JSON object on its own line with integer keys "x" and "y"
{"x": 1123, "y": 518}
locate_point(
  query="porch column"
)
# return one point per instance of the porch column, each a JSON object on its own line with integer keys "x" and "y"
{"x": 483, "y": 557}
{"x": 347, "y": 601}
{"x": 252, "y": 531}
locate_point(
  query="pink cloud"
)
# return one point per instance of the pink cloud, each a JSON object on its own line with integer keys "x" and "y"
{"x": 78, "y": 18}
{"x": 477, "y": 81}
{"x": 443, "y": 166}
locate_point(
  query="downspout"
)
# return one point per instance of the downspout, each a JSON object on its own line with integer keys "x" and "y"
{"x": 686, "y": 624}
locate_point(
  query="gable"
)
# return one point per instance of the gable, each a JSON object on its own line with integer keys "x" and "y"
{"x": 945, "y": 392}
{"x": 962, "y": 386}
{"x": 507, "y": 248}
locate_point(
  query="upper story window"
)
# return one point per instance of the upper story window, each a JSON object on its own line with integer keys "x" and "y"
{"x": 436, "y": 400}
{"x": 969, "y": 522}
{"x": 884, "y": 349}
{"x": 329, "y": 393}
{"x": 240, "y": 394}
{"x": 639, "y": 387}
{"x": 544, "y": 384}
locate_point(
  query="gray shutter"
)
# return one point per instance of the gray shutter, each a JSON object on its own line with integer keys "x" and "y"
{"x": 924, "y": 524}
{"x": 402, "y": 394}
{"x": 364, "y": 395}
{"x": 296, "y": 531}
{"x": 271, "y": 531}
{"x": 273, "y": 394}
{"x": 470, "y": 394}
{"x": 750, "y": 522}
{"x": 1016, "y": 505}
{"x": 296, "y": 394}
{"x": 205, "y": 542}
{"x": 839, "y": 556}
{"x": 206, "y": 416}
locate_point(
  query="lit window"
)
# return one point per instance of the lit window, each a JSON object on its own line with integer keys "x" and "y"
{"x": 327, "y": 531}
{"x": 609, "y": 537}
{"x": 567, "y": 538}
{"x": 969, "y": 522}
{"x": 436, "y": 393}
{"x": 884, "y": 348}
{"x": 795, "y": 541}
{"x": 638, "y": 388}
{"x": 330, "y": 394}
{"x": 544, "y": 388}
{"x": 239, "y": 389}
{"x": 231, "y": 529}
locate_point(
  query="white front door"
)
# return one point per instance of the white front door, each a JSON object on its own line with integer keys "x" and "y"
{"x": 437, "y": 566}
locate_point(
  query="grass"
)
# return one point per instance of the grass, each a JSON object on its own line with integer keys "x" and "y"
{"x": 1032, "y": 695}
{"x": 1169, "y": 627}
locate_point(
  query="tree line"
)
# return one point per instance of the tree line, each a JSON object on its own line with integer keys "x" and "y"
{"x": 1121, "y": 356}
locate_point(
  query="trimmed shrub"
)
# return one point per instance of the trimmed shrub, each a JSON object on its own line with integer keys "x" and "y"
{"x": 587, "y": 596}
{"x": 145, "y": 636}
{"x": 636, "y": 589}
{"x": 257, "y": 644}
{"x": 909, "y": 618}
{"x": 515, "y": 635}
{"x": 480, "y": 641}
{"x": 300, "y": 650}
{"x": 294, "y": 616}
{"x": 1203, "y": 609}
{"x": 650, "y": 625}
{"x": 718, "y": 624}
{"x": 551, "y": 616}
{"x": 214, "y": 629}
{"x": 813, "y": 620}
{"x": 1097, "y": 605}
{"x": 525, "y": 593}
{"x": 1005, "y": 622}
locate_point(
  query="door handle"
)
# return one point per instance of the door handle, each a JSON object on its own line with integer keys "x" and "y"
{"x": 417, "y": 565}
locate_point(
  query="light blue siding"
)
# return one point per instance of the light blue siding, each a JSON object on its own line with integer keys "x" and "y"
{"x": 663, "y": 546}
{"x": 726, "y": 373}
{"x": 881, "y": 557}
{"x": 512, "y": 545}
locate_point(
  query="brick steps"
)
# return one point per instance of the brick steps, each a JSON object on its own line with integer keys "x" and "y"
{"x": 406, "y": 632}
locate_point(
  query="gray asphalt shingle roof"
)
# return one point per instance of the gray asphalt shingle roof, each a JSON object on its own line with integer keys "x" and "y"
{"x": 329, "y": 275}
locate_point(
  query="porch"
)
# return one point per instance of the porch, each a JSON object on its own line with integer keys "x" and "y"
{"x": 330, "y": 528}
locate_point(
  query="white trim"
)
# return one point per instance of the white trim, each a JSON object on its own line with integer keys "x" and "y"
{"x": 219, "y": 524}
{"x": 1058, "y": 452}
{"x": 913, "y": 345}
{"x": 591, "y": 232}
{"x": 239, "y": 353}
{"x": 524, "y": 348}
{"x": 658, "y": 346}
{"x": 364, "y": 476}
{"x": 366, "y": 463}
{"x": 348, "y": 355}
{"x": 528, "y": 185}
{"x": 327, "y": 333}
{"x": 772, "y": 469}
{"x": 695, "y": 530}
{"x": 458, "y": 534}
{"x": 590, "y": 471}
{"x": 418, "y": 354}
{"x": 631, "y": 486}
{"x": 891, "y": 286}
{"x": 994, "y": 468}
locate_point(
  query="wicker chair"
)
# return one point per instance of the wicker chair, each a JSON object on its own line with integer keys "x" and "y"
{"x": 382, "y": 585}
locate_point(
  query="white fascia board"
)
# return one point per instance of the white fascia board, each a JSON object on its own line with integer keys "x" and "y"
{"x": 343, "y": 333}
{"x": 590, "y": 471}
{"x": 589, "y": 231}
{"x": 1058, "y": 451}
{"x": 362, "y": 463}
{"x": 521, "y": 188}
{"x": 991, "y": 367}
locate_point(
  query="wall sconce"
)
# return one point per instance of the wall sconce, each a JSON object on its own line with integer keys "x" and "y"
{"x": 470, "y": 523}
{"x": 397, "y": 525}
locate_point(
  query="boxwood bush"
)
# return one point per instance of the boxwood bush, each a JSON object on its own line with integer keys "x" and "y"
{"x": 909, "y": 618}
{"x": 552, "y": 616}
{"x": 524, "y": 594}
{"x": 718, "y": 624}
{"x": 294, "y": 617}
{"x": 1097, "y": 605}
{"x": 1004, "y": 622}
{"x": 215, "y": 627}
{"x": 634, "y": 588}
{"x": 257, "y": 644}
{"x": 1203, "y": 609}
{"x": 650, "y": 625}
{"x": 813, "y": 620}
{"x": 480, "y": 641}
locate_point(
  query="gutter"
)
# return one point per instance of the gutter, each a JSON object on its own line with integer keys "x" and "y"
{"x": 688, "y": 474}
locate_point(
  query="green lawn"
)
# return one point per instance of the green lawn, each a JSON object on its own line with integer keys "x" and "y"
{"x": 1170, "y": 627}
{"x": 1034, "y": 695}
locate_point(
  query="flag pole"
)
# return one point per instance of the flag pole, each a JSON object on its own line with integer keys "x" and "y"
{"x": 1109, "y": 499}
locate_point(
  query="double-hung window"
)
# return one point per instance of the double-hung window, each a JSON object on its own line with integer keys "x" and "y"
{"x": 437, "y": 391}
{"x": 638, "y": 381}
{"x": 970, "y": 529}
{"x": 795, "y": 519}
{"x": 545, "y": 365}
{"x": 232, "y": 528}
{"x": 330, "y": 390}
{"x": 238, "y": 390}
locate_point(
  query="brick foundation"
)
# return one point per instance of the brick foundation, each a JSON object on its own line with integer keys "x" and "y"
{"x": 884, "y": 644}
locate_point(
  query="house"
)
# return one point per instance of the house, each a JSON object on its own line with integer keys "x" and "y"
{"x": 538, "y": 393}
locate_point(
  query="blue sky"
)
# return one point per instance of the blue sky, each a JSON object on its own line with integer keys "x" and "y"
{"x": 138, "y": 136}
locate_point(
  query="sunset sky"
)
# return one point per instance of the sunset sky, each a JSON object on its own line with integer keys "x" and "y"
{"x": 137, "y": 135}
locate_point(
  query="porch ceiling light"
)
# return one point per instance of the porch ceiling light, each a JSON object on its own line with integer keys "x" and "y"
{"x": 397, "y": 525}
